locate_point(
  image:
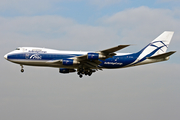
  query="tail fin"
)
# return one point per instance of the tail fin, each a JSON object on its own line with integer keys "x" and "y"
{"x": 163, "y": 41}
{"x": 157, "y": 46}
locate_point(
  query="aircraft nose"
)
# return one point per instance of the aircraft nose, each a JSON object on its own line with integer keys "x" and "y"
{"x": 5, "y": 56}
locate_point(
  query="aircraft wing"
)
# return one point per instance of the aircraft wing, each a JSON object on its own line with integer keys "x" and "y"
{"x": 107, "y": 52}
{"x": 87, "y": 62}
{"x": 103, "y": 54}
{"x": 114, "y": 49}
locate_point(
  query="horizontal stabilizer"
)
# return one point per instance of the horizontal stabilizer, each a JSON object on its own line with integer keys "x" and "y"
{"x": 164, "y": 55}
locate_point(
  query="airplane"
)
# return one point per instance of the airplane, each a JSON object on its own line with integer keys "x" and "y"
{"x": 86, "y": 63}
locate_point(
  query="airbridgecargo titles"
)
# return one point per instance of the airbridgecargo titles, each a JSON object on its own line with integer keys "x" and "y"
{"x": 86, "y": 63}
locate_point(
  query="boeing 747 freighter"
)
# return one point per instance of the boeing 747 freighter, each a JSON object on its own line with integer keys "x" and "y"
{"x": 85, "y": 63}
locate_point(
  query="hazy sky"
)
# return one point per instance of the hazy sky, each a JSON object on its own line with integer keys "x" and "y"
{"x": 149, "y": 92}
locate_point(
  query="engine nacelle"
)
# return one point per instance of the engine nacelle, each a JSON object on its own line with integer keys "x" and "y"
{"x": 66, "y": 70}
{"x": 69, "y": 62}
{"x": 95, "y": 56}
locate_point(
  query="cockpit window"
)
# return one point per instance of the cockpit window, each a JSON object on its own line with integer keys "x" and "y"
{"x": 17, "y": 48}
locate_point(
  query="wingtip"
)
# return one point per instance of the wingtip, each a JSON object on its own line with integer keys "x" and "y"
{"x": 169, "y": 32}
{"x": 124, "y": 45}
{"x": 173, "y": 51}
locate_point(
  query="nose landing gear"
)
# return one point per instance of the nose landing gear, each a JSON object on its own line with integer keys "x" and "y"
{"x": 22, "y": 70}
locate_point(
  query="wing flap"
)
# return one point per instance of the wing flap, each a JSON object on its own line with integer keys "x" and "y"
{"x": 94, "y": 64}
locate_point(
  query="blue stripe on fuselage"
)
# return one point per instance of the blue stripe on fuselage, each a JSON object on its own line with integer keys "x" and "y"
{"x": 40, "y": 56}
{"x": 114, "y": 62}
{"x": 119, "y": 61}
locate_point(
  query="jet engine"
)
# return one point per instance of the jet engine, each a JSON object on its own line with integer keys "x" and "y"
{"x": 69, "y": 62}
{"x": 95, "y": 56}
{"x": 66, "y": 70}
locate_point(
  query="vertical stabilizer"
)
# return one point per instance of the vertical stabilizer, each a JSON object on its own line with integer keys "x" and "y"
{"x": 158, "y": 45}
{"x": 163, "y": 41}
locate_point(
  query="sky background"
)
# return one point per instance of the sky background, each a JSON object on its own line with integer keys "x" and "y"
{"x": 149, "y": 92}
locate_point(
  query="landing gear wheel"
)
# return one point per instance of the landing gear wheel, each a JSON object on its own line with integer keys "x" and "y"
{"x": 22, "y": 70}
{"x": 86, "y": 73}
{"x": 90, "y": 73}
{"x": 80, "y": 76}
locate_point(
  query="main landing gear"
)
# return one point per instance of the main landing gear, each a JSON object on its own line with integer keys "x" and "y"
{"x": 85, "y": 72}
{"x": 22, "y": 70}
